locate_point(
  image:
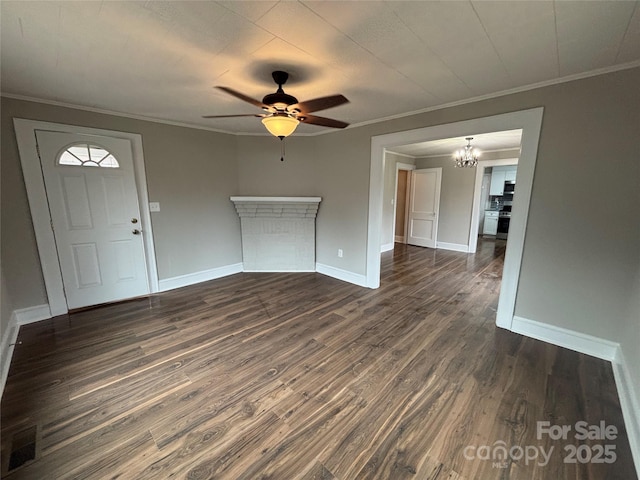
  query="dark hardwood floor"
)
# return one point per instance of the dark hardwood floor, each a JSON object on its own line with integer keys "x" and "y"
{"x": 301, "y": 376}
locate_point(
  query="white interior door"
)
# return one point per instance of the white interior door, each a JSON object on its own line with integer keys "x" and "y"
{"x": 93, "y": 200}
{"x": 424, "y": 205}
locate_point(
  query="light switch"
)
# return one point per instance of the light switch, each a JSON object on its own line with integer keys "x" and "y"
{"x": 154, "y": 206}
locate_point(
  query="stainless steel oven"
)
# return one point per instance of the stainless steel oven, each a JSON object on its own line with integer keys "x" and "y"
{"x": 504, "y": 218}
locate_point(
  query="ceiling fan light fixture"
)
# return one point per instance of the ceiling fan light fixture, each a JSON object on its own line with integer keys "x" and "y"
{"x": 280, "y": 125}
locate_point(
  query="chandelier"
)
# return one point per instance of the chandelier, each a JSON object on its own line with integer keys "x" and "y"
{"x": 467, "y": 156}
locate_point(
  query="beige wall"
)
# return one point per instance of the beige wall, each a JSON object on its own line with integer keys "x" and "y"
{"x": 580, "y": 242}
{"x": 342, "y": 178}
{"x": 260, "y": 171}
{"x": 456, "y": 195}
{"x": 630, "y": 335}
{"x": 456, "y": 198}
{"x": 190, "y": 172}
{"x": 6, "y": 310}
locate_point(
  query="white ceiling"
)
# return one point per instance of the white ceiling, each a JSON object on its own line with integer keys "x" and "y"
{"x": 160, "y": 59}
{"x": 485, "y": 142}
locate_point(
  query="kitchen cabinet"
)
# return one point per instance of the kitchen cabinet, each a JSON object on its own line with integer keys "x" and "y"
{"x": 497, "y": 182}
{"x": 490, "y": 223}
{"x": 499, "y": 175}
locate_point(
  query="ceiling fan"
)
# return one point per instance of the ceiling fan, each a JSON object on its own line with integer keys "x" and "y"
{"x": 283, "y": 112}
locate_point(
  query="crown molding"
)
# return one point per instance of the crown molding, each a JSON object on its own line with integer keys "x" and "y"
{"x": 502, "y": 93}
{"x": 413, "y": 157}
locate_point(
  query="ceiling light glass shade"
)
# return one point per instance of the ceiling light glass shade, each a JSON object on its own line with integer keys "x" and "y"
{"x": 280, "y": 125}
{"x": 468, "y": 156}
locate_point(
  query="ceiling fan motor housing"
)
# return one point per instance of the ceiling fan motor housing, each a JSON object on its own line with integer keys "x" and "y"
{"x": 279, "y": 100}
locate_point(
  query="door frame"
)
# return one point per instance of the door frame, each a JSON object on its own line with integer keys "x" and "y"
{"x": 477, "y": 192}
{"x": 409, "y": 168}
{"x": 39, "y": 206}
{"x": 530, "y": 121}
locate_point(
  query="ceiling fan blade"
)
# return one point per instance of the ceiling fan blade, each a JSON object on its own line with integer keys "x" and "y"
{"x": 321, "y": 103}
{"x": 242, "y": 96}
{"x": 231, "y": 116}
{"x": 322, "y": 121}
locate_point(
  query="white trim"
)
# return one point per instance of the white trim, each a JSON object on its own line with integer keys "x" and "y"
{"x": 279, "y": 271}
{"x": 562, "y": 337}
{"x": 9, "y": 338}
{"x": 399, "y": 166}
{"x": 19, "y": 317}
{"x": 399, "y": 239}
{"x": 599, "y": 348}
{"x": 38, "y": 204}
{"x": 344, "y": 275}
{"x": 104, "y": 111}
{"x": 413, "y": 157}
{"x": 456, "y": 247}
{"x": 502, "y": 93}
{"x": 386, "y": 247}
{"x": 24, "y": 316}
{"x": 277, "y": 199}
{"x": 198, "y": 277}
{"x": 530, "y": 121}
{"x": 629, "y": 403}
{"x": 489, "y": 96}
{"x": 477, "y": 194}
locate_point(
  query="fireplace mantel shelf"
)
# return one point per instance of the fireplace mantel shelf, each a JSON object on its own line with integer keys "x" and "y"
{"x": 277, "y": 199}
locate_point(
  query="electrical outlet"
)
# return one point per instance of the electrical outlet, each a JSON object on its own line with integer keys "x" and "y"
{"x": 154, "y": 206}
{"x": 340, "y": 253}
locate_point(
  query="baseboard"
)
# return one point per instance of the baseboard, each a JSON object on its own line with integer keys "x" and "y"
{"x": 562, "y": 337}
{"x": 198, "y": 277}
{"x": 22, "y": 316}
{"x": 344, "y": 275}
{"x": 456, "y": 247}
{"x": 599, "y": 348}
{"x": 400, "y": 239}
{"x": 9, "y": 338}
{"x": 33, "y": 314}
{"x": 386, "y": 247}
{"x": 278, "y": 271}
{"x": 629, "y": 404}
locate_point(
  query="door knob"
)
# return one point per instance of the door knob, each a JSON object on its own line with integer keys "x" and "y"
{"x": 136, "y": 232}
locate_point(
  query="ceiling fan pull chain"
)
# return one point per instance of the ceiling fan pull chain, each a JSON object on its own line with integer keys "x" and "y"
{"x": 282, "y": 149}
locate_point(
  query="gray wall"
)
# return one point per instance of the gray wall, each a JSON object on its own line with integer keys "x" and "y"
{"x": 456, "y": 194}
{"x": 190, "y": 172}
{"x": 581, "y": 245}
{"x": 260, "y": 171}
{"x": 630, "y": 337}
{"x": 456, "y": 199}
{"x": 6, "y": 309}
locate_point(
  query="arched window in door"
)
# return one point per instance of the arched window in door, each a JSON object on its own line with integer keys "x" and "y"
{"x": 87, "y": 155}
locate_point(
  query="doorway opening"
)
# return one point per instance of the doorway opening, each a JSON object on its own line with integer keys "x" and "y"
{"x": 530, "y": 122}
{"x": 401, "y": 202}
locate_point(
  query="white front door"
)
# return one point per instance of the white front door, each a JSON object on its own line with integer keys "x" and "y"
{"x": 93, "y": 200}
{"x": 424, "y": 205}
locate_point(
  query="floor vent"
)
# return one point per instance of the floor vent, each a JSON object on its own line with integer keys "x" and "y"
{"x": 23, "y": 448}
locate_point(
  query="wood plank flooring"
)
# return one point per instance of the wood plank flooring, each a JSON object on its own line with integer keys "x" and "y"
{"x": 300, "y": 376}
